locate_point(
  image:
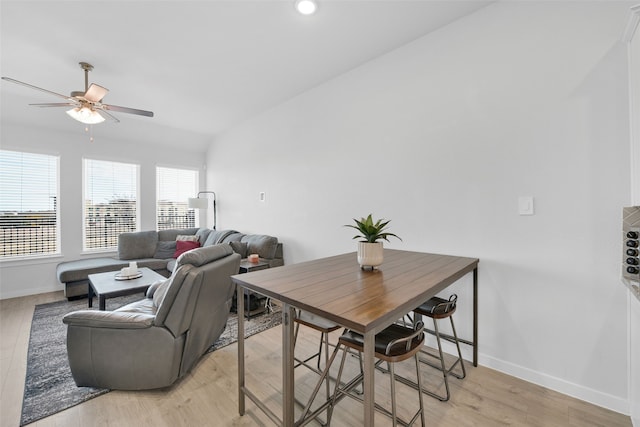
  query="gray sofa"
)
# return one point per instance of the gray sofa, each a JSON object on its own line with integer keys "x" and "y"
{"x": 151, "y": 343}
{"x": 156, "y": 249}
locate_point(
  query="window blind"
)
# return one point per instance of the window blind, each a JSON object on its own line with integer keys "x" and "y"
{"x": 28, "y": 204}
{"x": 174, "y": 187}
{"x": 110, "y": 202}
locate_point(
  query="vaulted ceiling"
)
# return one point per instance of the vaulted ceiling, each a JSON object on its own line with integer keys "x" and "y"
{"x": 200, "y": 66}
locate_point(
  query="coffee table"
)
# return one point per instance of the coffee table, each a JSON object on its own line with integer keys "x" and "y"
{"x": 105, "y": 285}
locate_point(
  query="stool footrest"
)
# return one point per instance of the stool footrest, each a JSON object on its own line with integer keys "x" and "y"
{"x": 438, "y": 367}
{"x": 347, "y": 391}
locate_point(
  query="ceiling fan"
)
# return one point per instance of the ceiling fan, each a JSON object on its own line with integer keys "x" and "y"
{"x": 87, "y": 106}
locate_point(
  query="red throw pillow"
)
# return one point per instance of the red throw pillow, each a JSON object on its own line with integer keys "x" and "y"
{"x": 183, "y": 246}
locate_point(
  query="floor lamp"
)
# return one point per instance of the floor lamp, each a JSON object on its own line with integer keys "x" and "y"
{"x": 203, "y": 203}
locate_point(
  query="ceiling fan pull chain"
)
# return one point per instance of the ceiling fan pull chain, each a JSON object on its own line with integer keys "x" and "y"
{"x": 89, "y": 129}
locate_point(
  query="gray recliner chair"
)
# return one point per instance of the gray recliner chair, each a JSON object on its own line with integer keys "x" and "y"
{"x": 153, "y": 342}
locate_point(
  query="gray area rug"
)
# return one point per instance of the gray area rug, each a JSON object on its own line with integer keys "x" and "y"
{"x": 49, "y": 386}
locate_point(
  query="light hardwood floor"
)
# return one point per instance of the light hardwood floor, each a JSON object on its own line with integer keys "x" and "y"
{"x": 208, "y": 395}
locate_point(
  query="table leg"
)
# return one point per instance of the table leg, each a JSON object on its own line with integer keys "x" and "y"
{"x": 103, "y": 302}
{"x": 368, "y": 385}
{"x": 240, "y": 312}
{"x": 287, "y": 365}
{"x": 90, "y": 294}
{"x": 475, "y": 316}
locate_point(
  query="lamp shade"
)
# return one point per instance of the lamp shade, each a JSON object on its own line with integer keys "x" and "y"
{"x": 85, "y": 115}
{"x": 198, "y": 203}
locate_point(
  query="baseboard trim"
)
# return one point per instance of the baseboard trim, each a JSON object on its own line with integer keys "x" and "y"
{"x": 30, "y": 291}
{"x": 595, "y": 397}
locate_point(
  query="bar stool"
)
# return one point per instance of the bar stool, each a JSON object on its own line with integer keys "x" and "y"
{"x": 321, "y": 325}
{"x": 325, "y": 327}
{"x": 438, "y": 308}
{"x": 394, "y": 344}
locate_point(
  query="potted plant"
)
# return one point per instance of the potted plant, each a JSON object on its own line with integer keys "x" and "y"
{"x": 370, "y": 250}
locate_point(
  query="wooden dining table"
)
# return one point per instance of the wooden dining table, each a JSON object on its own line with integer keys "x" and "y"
{"x": 365, "y": 301}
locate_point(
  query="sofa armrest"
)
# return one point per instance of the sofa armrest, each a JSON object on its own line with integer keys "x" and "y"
{"x": 109, "y": 319}
{"x": 152, "y": 288}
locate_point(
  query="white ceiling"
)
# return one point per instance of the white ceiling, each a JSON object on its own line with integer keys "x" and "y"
{"x": 200, "y": 66}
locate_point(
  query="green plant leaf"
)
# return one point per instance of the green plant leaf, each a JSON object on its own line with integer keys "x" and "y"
{"x": 371, "y": 231}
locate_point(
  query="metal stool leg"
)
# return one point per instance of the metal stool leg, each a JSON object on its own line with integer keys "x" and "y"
{"x": 445, "y": 371}
{"x": 306, "y": 417}
{"x": 392, "y": 377}
{"x": 442, "y": 366}
{"x": 324, "y": 328}
{"x": 422, "y": 418}
{"x": 335, "y": 392}
{"x": 464, "y": 371}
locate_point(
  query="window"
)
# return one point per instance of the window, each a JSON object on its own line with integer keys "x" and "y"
{"x": 110, "y": 202}
{"x": 28, "y": 204}
{"x": 174, "y": 187}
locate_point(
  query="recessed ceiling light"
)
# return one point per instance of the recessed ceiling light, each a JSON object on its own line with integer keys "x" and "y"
{"x": 306, "y": 7}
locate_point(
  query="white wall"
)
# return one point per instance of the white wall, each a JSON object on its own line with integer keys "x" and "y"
{"x": 18, "y": 278}
{"x": 442, "y": 136}
{"x": 632, "y": 37}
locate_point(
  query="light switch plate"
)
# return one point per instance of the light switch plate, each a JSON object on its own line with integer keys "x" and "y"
{"x": 525, "y": 205}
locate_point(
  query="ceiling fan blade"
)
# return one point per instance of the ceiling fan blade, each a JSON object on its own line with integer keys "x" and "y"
{"x": 127, "y": 110}
{"x": 95, "y": 93}
{"x": 37, "y": 88}
{"x": 55, "y": 104}
{"x": 107, "y": 115}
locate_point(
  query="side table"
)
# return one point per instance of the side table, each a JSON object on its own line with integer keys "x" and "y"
{"x": 248, "y": 267}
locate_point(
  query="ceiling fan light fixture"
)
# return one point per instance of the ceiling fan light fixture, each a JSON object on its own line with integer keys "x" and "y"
{"x": 85, "y": 115}
{"x": 306, "y": 7}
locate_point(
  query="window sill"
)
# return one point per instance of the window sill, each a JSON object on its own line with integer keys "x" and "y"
{"x": 31, "y": 260}
{"x": 99, "y": 252}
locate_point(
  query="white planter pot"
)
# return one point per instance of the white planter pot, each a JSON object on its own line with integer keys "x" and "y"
{"x": 370, "y": 254}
